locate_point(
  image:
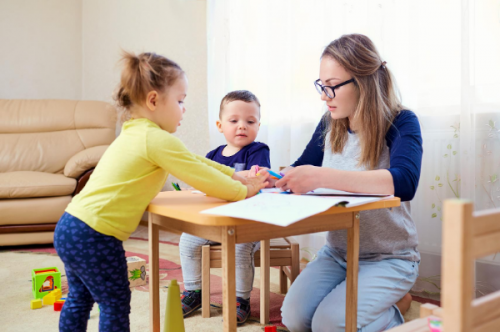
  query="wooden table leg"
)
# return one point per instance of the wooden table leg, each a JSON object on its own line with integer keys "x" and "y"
{"x": 154, "y": 275}
{"x": 351, "y": 312}
{"x": 265, "y": 261}
{"x": 205, "y": 280}
{"x": 228, "y": 278}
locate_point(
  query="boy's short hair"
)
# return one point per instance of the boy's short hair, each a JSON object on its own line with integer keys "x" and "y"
{"x": 242, "y": 95}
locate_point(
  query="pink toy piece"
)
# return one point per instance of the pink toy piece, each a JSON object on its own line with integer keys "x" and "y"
{"x": 435, "y": 324}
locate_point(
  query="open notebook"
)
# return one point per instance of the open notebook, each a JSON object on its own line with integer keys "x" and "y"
{"x": 283, "y": 210}
{"x": 323, "y": 192}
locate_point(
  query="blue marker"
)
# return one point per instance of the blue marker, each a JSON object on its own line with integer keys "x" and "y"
{"x": 276, "y": 175}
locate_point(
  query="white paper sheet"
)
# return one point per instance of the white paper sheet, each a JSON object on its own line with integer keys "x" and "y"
{"x": 283, "y": 210}
{"x": 334, "y": 192}
{"x": 198, "y": 192}
{"x": 355, "y": 201}
{"x": 324, "y": 192}
{"x": 272, "y": 191}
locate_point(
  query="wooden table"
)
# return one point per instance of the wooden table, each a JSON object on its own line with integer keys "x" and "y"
{"x": 180, "y": 212}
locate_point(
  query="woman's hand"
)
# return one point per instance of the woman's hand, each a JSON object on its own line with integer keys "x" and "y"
{"x": 253, "y": 184}
{"x": 301, "y": 179}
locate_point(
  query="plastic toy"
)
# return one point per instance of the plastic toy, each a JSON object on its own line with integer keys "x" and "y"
{"x": 57, "y": 293}
{"x": 52, "y": 297}
{"x": 58, "y": 305}
{"x": 45, "y": 280}
{"x": 435, "y": 324}
{"x": 49, "y": 299}
{"x": 174, "y": 321}
{"x": 136, "y": 268}
{"x": 36, "y": 304}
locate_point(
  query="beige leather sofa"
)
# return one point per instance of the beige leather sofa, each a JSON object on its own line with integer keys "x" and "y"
{"x": 48, "y": 149}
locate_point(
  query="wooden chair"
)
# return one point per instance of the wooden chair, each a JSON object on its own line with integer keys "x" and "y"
{"x": 466, "y": 237}
{"x": 284, "y": 252}
{"x": 421, "y": 324}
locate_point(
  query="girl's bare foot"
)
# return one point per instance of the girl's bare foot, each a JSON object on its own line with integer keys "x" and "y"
{"x": 404, "y": 304}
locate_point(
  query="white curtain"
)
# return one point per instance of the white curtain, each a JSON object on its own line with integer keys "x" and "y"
{"x": 445, "y": 56}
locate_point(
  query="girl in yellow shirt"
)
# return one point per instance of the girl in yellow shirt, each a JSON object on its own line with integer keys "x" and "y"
{"x": 89, "y": 235}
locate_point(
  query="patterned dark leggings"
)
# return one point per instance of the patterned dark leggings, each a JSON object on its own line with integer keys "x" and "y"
{"x": 96, "y": 269}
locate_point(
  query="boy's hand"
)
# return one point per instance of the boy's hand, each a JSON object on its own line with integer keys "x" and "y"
{"x": 253, "y": 184}
{"x": 253, "y": 171}
{"x": 259, "y": 170}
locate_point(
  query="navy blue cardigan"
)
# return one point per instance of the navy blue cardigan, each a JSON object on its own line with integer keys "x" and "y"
{"x": 404, "y": 140}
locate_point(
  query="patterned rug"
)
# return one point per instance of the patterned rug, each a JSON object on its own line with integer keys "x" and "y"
{"x": 16, "y": 264}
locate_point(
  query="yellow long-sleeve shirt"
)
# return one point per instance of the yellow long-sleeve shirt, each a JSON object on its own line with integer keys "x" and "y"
{"x": 134, "y": 169}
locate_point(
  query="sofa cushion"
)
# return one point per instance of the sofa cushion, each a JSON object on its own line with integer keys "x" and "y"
{"x": 23, "y": 211}
{"x": 42, "y": 135}
{"x": 35, "y": 184}
{"x": 16, "y": 239}
{"x": 84, "y": 160}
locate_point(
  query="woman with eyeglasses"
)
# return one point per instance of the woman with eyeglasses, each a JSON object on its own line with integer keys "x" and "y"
{"x": 366, "y": 142}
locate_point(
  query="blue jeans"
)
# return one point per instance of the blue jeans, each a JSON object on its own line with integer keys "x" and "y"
{"x": 316, "y": 301}
{"x": 190, "y": 252}
{"x": 96, "y": 269}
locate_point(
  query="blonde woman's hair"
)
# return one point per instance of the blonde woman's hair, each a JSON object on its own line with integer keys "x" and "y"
{"x": 378, "y": 101}
{"x": 141, "y": 74}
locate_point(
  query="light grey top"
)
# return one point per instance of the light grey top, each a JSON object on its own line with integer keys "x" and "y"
{"x": 384, "y": 233}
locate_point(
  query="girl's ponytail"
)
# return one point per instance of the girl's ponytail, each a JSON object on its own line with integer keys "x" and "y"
{"x": 144, "y": 73}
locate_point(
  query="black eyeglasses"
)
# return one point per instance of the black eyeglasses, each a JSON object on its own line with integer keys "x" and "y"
{"x": 329, "y": 90}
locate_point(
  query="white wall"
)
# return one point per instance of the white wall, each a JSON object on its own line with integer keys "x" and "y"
{"x": 69, "y": 49}
{"x": 40, "y": 49}
{"x": 174, "y": 28}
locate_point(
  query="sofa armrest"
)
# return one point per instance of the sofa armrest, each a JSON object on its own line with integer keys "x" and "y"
{"x": 82, "y": 181}
{"x": 83, "y": 161}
